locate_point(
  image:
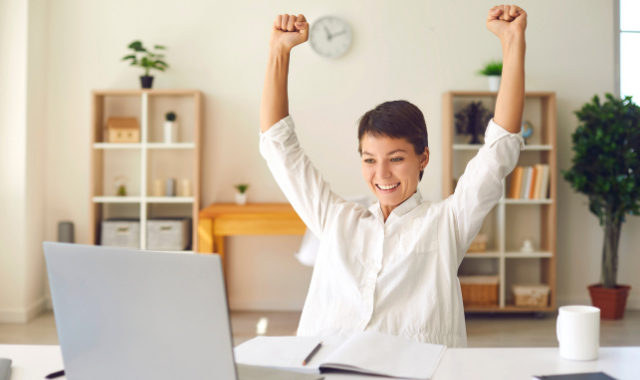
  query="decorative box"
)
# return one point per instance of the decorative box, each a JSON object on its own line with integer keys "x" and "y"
{"x": 531, "y": 295}
{"x": 123, "y": 233}
{"x": 479, "y": 244}
{"x": 168, "y": 234}
{"x": 479, "y": 290}
{"x": 123, "y": 130}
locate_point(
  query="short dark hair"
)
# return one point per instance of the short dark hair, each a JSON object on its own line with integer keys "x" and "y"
{"x": 395, "y": 119}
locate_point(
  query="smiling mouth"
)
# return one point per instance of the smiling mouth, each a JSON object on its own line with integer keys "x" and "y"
{"x": 387, "y": 187}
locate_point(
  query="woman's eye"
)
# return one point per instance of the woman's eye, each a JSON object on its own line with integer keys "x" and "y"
{"x": 397, "y": 159}
{"x": 369, "y": 161}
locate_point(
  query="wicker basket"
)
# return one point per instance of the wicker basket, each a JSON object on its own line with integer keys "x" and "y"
{"x": 479, "y": 290}
{"x": 535, "y": 295}
{"x": 479, "y": 244}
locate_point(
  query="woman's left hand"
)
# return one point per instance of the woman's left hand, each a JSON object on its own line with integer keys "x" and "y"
{"x": 507, "y": 20}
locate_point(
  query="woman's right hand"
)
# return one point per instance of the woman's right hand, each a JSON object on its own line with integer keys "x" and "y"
{"x": 289, "y": 31}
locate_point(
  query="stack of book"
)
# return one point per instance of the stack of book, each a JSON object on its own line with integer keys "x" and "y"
{"x": 529, "y": 182}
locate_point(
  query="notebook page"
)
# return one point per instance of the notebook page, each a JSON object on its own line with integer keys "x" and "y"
{"x": 382, "y": 354}
{"x": 286, "y": 352}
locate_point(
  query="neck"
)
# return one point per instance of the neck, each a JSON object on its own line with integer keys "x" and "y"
{"x": 386, "y": 209}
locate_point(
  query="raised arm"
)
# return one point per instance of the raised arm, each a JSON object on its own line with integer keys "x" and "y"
{"x": 509, "y": 22}
{"x": 479, "y": 189}
{"x": 286, "y": 32}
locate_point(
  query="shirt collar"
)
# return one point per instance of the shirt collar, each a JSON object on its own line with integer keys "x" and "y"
{"x": 403, "y": 208}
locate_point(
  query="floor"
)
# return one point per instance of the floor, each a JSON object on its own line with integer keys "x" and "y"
{"x": 483, "y": 330}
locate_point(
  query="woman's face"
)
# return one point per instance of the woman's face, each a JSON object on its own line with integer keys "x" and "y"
{"x": 391, "y": 167}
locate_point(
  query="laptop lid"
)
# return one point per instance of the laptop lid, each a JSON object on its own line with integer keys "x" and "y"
{"x": 130, "y": 314}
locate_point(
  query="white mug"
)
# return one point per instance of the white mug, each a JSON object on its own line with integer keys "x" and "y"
{"x": 578, "y": 332}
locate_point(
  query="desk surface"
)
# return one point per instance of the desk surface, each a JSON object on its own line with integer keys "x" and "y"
{"x": 217, "y": 209}
{"x": 34, "y": 362}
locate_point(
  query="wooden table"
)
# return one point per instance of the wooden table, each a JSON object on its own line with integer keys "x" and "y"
{"x": 229, "y": 219}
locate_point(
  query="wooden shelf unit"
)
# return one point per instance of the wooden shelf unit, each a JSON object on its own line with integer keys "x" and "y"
{"x": 140, "y": 103}
{"x": 540, "y": 106}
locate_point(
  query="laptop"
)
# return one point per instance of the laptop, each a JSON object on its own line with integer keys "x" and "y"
{"x": 130, "y": 314}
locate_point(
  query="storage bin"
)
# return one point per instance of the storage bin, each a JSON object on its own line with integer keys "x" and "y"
{"x": 479, "y": 290}
{"x": 168, "y": 234}
{"x": 123, "y": 233}
{"x": 531, "y": 295}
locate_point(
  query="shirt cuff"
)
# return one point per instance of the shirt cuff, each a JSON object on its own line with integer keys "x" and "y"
{"x": 495, "y": 133}
{"x": 280, "y": 131}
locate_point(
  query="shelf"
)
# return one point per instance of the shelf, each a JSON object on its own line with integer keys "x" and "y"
{"x": 527, "y": 201}
{"x": 509, "y": 225}
{"x": 532, "y": 255}
{"x": 481, "y": 255}
{"x": 508, "y": 309}
{"x": 148, "y": 160}
{"x": 117, "y": 145}
{"x": 169, "y": 199}
{"x": 171, "y": 146}
{"x": 533, "y": 147}
{"x": 117, "y": 199}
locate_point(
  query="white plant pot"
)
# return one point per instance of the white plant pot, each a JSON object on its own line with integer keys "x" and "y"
{"x": 494, "y": 82}
{"x": 170, "y": 132}
{"x": 241, "y": 199}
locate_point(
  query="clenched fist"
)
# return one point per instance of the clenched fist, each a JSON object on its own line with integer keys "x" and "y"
{"x": 289, "y": 31}
{"x": 505, "y": 20}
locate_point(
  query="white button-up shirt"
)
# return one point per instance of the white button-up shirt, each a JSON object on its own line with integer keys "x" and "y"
{"x": 400, "y": 276}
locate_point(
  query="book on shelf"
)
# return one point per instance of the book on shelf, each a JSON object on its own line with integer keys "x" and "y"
{"x": 529, "y": 182}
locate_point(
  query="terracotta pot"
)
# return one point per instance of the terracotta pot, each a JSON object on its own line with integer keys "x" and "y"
{"x": 611, "y": 302}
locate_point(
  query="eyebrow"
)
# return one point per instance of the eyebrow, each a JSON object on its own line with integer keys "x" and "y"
{"x": 388, "y": 154}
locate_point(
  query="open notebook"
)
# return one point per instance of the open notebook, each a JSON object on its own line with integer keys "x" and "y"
{"x": 367, "y": 352}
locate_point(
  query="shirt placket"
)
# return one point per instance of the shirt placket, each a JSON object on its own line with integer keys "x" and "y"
{"x": 370, "y": 283}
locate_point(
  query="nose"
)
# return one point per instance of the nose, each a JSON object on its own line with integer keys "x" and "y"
{"x": 384, "y": 170}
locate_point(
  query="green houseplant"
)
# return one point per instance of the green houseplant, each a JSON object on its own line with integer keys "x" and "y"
{"x": 493, "y": 71}
{"x": 606, "y": 167}
{"x": 241, "y": 195}
{"x": 146, "y": 59}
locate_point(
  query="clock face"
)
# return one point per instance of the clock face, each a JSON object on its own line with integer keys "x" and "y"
{"x": 330, "y": 37}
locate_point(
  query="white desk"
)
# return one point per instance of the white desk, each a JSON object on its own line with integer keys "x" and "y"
{"x": 623, "y": 363}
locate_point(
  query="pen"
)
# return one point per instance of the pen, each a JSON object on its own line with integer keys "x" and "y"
{"x": 308, "y": 358}
{"x": 54, "y": 375}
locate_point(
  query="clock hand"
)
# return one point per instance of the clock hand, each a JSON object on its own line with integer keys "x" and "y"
{"x": 326, "y": 30}
{"x": 339, "y": 33}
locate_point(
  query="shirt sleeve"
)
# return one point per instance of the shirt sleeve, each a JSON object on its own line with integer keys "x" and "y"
{"x": 298, "y": 179}
{"x": 480, "y": 188}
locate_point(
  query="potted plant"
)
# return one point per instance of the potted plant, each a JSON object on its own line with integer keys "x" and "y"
{"x": 606, "y": 167}
{"x": 493, "y": 71}
{"x": 147, "y": 60}
{"x": 241, "y": 195}
{"x": 170, "y": 128}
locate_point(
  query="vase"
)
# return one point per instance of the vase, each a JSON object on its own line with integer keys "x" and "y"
{"x": 611, "y": 302}
{"x": 494, "y": 82}
{"x": 241, "y": 199}
{"x": 170, "y": 132}
{"x": 146, "y": 81}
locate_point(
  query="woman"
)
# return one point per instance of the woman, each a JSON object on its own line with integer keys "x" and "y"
{"x": 393, "y": 267}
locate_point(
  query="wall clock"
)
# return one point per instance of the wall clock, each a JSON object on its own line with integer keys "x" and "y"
{"x": 330, "y": 37}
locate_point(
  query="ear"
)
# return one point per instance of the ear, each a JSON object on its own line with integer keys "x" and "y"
{"x": 424, "y": 158}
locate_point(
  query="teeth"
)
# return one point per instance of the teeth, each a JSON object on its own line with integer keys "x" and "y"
{"x": 388, "y": 187}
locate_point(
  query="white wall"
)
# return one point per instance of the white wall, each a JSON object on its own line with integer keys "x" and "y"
{"x": 22, "y": 127}
{"x": 413, "y": 50}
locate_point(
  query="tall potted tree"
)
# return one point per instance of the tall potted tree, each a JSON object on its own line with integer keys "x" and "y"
{"x": 606, "y": 167}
